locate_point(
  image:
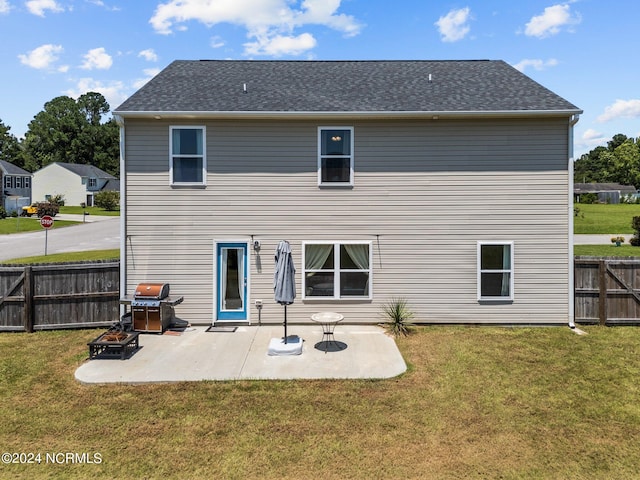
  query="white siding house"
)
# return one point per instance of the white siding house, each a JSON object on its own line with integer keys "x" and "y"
{"x": 445, "y": 183}
{"x": 76, "y": 182}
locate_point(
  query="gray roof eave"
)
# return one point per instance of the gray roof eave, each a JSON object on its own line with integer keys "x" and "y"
{"x": 159, "y": 115}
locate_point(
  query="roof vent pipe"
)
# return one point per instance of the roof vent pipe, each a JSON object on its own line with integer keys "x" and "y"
{"x": 429, "y": 78}
{"x": 244, "y": 87}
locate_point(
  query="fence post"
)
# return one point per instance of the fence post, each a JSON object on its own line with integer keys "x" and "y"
{"x": 28, "y": 298}
{"x": 602, "y": 297}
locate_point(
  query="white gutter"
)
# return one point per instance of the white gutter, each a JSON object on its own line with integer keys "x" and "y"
{"x": 571, "y": 272}
{"x": 435, "y": 115}
{"x": 123, "y": 213}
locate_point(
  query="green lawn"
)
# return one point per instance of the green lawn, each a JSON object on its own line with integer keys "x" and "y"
{"x": 27, "y": 224}
{"x": 90, "y": 210}
{"x": 111, "y": 254}
{"x": 601, "y": 218}
{"x": 517, "y": 403}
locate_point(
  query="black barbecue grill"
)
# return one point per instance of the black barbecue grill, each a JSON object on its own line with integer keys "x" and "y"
{"x": 152, "y": 308}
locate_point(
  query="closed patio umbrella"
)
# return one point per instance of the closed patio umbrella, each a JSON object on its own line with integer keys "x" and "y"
{"x": 284, "y": 279}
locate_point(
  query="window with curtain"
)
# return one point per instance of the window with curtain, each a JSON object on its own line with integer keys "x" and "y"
{"x": 335, "y": 156}
{"x": 337, "y": 270}
{"x": 187, "y": 163}
{"x": 495, "y": 271}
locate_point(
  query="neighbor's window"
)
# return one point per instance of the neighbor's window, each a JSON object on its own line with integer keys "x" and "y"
{"x": 8, "y": 182}
{"x": 495, "y": 270}
{"x": 335, "y": 156}
{"x": 187, "y": 164}
{"x": 27, "y": 182}
{"x": 93, "y": 182}
{"x": 337, "y": 270}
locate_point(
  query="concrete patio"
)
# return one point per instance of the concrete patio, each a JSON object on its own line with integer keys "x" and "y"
{"x": 195, "y": 355}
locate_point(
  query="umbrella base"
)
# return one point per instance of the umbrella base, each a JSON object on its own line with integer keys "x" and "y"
{"x": 292, "y": 347}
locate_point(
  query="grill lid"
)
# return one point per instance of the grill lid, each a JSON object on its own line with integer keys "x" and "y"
{"x": 155, "y": 291}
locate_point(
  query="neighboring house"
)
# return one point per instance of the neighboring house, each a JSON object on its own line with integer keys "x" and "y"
{"x": 446, "y": 183}
{"x": 76, "y": 182}
{"x": 606, "y": 192}
{"x": 16, "y": 187}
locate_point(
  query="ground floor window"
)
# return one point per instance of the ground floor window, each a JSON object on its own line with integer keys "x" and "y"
{"x": 337, "y": 270}
{"x": 495, "y": 270}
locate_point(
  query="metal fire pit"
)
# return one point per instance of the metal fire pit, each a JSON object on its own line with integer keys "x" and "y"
{"x": 114, "y": 344}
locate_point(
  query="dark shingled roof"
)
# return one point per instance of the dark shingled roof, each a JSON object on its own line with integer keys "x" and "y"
{"x": 83, "y": 170}
{"x": 343, "y": 86}
{"x": 11, "y": 169}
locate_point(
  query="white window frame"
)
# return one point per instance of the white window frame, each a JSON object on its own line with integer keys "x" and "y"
{"x": 27, "y": 182}
{"x": 320, "y": 157}
{"x": 204, "y": 154}
{"x": 501, "y": 298}
{"x": 8, "y": 181}
{"x": 336, "y": 270}
{"x": 93, "y": 182}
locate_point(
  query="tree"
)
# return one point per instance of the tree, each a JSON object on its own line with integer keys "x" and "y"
{"x": 72, "y": 131}
{"x": 618, "y": 162}
{"x": 10, "y": 150}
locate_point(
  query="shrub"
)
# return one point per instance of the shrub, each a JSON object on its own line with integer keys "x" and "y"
{"x": 47, "y": 208}
{"x": 57, "y": 199}
{"x": 3, "y": 213}
{"x": 589, "y": 198}
{"x": 109, "y": 200}
{"x": 398, "y": 315}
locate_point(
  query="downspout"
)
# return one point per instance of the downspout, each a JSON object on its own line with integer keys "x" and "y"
{"x": 572, "y": 305}
{"x": 123, "y": 213}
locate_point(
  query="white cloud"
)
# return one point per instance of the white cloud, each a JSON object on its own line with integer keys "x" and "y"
{"x": 551, "y": 21}
{"x": 453, "y": 26}
{"x": 281, "y": 45}
{"x": 114, "y": 92}
{"x": 621, "y": 108}
{"x": 535, "y": 63}
{"x": 216, "y": 42}
{"x": 42, "y": 57}
{"x": 97, "y": 58}
{"x": 4, "y": 6}
{"x": 149, "y": 55}
{"x": 38, "y": 7}
{"x": 149, "y": 74}
{"x": 270, "y": 24}
{"x": 589, "y": 140}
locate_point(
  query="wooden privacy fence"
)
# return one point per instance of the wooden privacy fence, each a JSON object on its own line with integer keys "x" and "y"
{"x": 47, "y": 297}
{"x": 607, "y": 291}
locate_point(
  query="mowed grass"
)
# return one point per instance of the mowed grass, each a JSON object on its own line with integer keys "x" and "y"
{"x": 475, "y": 403}
{"x": 89, "y": 255}
{"x": 28, "y": 224}
{"x": 602, "y": 218}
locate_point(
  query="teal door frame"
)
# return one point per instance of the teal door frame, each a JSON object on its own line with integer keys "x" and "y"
{"x": 232, "y": 281}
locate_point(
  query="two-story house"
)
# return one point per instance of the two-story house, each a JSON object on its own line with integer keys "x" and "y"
{"x": 16, "y": 187}
{"x": 446, "y": 183}
{"x": 78, "y": 183}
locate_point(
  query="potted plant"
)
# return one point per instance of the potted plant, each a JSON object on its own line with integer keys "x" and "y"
{"x": 617, "y": 240}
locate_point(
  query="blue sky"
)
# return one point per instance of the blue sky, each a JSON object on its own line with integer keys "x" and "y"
{"x": 584, "y": 50}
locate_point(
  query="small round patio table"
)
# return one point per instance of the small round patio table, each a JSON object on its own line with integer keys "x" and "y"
{"x": 328, "y": 321}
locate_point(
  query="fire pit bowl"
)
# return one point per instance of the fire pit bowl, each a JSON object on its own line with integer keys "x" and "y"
{"x": 114, "y": 345}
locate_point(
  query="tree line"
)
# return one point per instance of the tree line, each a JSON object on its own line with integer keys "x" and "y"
{"x": 69, "y": 131}
{"x": 618, "y": 162}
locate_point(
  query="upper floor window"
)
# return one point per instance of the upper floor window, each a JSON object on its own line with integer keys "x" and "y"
{"x": 27, "y": 182}
{"x": 495, "y": 270}
{"x": 8, "y": 182}
{"x": 187, "y": 163}
{"x": 93, "y": 182}
{"x": 335, "y": 156}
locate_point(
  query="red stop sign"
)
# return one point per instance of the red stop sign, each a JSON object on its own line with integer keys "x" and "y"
{"x": 46, "y": 221}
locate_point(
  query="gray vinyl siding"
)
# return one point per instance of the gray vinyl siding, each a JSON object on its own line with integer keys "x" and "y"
{"x": 424, "y": 194}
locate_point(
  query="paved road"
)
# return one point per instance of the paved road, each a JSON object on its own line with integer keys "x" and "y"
{"x": 96, "y": 234}
{"x": 599, "y": 239}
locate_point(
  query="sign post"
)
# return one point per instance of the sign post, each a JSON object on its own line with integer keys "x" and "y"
{"x": 46, "y": 222}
